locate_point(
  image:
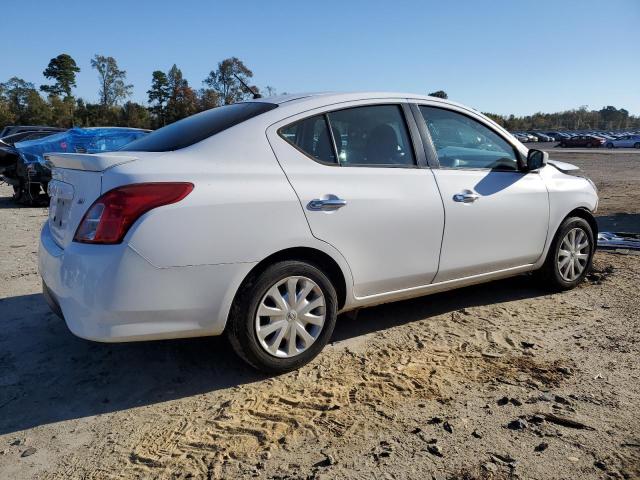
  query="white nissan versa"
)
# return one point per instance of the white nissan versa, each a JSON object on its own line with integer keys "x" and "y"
{"x": 266, "y": 218}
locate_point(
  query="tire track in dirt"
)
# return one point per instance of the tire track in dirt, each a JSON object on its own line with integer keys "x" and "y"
{"x": 339, "y": 396}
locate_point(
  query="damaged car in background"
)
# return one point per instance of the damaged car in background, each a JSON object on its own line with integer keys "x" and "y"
{"x": 22, "y": 163}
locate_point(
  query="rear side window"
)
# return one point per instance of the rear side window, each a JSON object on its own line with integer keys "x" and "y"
{"x": 198, "y": 127}
{"x": 311, "y": 135}
{"x": 373, "y": 136}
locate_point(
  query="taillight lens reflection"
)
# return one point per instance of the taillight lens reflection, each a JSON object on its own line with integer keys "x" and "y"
{"x": 109, "y": 218}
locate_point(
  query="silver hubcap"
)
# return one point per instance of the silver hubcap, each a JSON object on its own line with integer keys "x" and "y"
{"x": 573, "y": 254}
{"x": 290, "y": 316}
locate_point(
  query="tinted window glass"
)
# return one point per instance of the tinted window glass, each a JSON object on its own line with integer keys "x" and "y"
{"x": 311, "y": 135}
{"x": 462, "y": 142}
{"x": 372, "y": 136}
{"x": 196, "y": 128}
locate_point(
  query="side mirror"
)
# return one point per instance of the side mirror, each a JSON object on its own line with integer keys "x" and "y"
{"x": 536, "y": 159}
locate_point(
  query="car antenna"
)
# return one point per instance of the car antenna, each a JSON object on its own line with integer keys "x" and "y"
{"x": 255, "y": 94}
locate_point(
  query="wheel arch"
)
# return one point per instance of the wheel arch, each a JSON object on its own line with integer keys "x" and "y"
{"x": 322, "y": 260}
{"x": 586, "y": 215}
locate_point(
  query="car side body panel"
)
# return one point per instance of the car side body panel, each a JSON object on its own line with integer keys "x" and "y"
{"x": 391, "y": 226}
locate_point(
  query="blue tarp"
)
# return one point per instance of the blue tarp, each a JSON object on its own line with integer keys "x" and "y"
{"x": 78, "y": 140}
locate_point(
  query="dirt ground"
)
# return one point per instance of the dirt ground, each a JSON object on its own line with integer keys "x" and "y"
{"x": 496, "y": 381}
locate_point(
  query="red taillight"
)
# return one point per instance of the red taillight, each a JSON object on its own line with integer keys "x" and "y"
{"x": 111, "y": 215}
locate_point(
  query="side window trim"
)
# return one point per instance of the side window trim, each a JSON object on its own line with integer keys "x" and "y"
{"x": 415, "y": 139}
{"x": 419, "y": 150}
{"x": 332, "y": 137}
{"x": 424, "y": 132}
{"x": 427, "y": 142}
{"x": 317, "y": 160}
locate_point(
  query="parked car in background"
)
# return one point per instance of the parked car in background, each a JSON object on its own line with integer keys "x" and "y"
{"x": 589, "y": 141}
{"x": 9, "y": 156}
{"x": 557, "y": 136}
{"x": 629, "y": 141}
{"x": 12, "y": 129}
{"x": 257, "y": 220}
{"x": 522, "y": 138}
{"x": 542, "y": 137}
{"x": 29, "y": 174}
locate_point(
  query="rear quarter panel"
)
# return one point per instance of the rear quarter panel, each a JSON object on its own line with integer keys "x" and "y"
{"x": 241, "y": 209}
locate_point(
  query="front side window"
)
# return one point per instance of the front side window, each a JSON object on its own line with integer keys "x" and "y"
{"x": 371, "y": 136}
{"x": 462, "y": 142}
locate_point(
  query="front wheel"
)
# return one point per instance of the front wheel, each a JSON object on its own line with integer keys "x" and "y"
{"x": 283, "y": 317}
{"x": 609, "y": 145}
{"x": 570, "y": 255}
{"x": 636, "y": 145}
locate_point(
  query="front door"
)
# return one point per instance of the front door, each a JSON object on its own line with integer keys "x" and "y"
{"x": 497, "y": 216}
{"x": 355, "y": 173}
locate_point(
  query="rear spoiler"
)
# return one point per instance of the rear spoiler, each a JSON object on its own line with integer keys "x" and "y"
{"x": 92, "y": 162}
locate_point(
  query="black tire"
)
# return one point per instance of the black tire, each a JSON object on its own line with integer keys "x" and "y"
{"x": 549, "y": 273}
{"x": 636, "y": 145}
{"x": 17, "y": 193}
{"x": 609, "y": 145}
{"x": 27, "y": 194}
{"x": 241, "y": 330}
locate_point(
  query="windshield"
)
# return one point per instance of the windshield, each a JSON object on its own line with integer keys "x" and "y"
{"x": 196, "y": 128}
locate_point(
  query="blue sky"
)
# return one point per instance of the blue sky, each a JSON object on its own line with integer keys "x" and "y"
{"x": 501, "y": 56}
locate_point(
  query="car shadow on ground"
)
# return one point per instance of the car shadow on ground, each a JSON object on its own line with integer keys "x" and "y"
{"x": 47, "y": 375}
{"x": 9, "y": 202}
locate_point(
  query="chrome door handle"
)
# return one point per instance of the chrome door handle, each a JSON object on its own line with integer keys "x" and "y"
{"x": 328, "y": 204}
{"x": 466, "y": 197}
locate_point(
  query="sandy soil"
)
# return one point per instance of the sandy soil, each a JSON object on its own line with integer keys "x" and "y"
{"x": 495, "y": 381}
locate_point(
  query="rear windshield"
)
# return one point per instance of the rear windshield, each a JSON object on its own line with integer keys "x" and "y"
{"x": 196, "y": 128}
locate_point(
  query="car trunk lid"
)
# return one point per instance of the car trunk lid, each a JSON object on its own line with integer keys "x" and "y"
{"x": 76, "y": 182}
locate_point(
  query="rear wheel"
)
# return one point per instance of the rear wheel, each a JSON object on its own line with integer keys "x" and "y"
{"x": 636, "y": 145}
{"x": 609, "y": 145}
{"x": 570, "y": 255}
{"x": 283, "y": 317}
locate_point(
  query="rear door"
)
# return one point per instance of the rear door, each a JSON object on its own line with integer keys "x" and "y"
{"x": 497, "y": 216}
{"x": 361, "y": 179}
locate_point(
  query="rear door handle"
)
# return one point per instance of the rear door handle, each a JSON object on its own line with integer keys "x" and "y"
{"x": 466, "y": 196}
{"x": 328, "y": 204}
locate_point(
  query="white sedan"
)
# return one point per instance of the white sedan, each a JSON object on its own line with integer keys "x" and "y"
{"x": 265, "y": 219}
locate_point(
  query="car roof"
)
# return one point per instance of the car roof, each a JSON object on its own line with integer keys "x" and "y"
{"x": 337, "y": 97}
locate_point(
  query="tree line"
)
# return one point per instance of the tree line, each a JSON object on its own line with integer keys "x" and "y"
{"x": 607, "y": 118}
{"x": 170, "y": 97}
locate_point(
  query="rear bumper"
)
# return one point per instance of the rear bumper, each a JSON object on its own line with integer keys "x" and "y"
{"x": 110, "y": 293}
{"x": 51, "y": 300}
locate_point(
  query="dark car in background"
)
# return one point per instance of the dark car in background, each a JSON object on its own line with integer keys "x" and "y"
{"x": 13, "y": 129}
{"x": 589, "y": 141}
{"x": 22, "y": 162}
{"x": 542, "y": 137}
